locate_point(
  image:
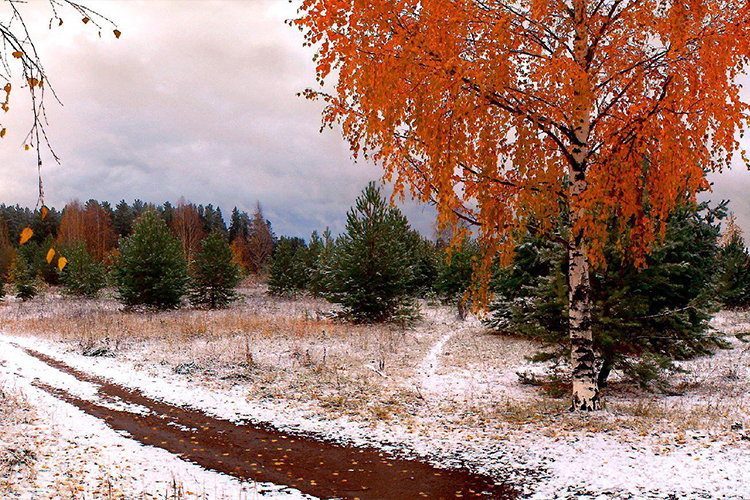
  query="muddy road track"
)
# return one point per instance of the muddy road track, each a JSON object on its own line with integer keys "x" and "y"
{"x": 256, "y": 453}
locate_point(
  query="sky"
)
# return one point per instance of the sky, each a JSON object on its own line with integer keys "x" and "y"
{"x": 198, "y": 99}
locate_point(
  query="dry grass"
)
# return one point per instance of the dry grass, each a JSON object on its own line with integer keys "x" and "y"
{"x": 286, "y": 350}
{"x": 276, "y": 347}
{"x": 18, "y": 456}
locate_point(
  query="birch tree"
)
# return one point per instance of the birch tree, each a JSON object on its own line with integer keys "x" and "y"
{"x": 504, "y": 114}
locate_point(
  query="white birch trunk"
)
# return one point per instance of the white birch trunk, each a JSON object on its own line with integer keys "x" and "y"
{"x": 585, "y": 388}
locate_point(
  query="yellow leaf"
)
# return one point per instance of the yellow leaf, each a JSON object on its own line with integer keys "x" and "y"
{"x": 18, "y": 54}
{"x": 50, "y": 255}
{"x": 117, "y": 33}
{"x": 26, "y": 147}
{"x": 26, "y": 235}
{"x": 61, "y": 263}
{"x": 44, "y": 210}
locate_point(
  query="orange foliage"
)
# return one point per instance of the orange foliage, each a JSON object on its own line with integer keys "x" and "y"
{"x": 188, "y": 227}
{"x": 241, "y": 254}
{"x": 486, "y": 108}
{"x": 100, "y": 233}
{"x": 71, "y": 225}
{"x": 91, "y": 225}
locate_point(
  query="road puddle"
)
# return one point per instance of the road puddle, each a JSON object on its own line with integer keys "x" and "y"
{"x": 256, "y": 453}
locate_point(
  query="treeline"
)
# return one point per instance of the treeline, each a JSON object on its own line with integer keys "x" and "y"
{"x": 80, "y": 247}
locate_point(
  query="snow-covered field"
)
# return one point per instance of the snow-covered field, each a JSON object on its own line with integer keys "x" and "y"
{"x": 445, "y": 391}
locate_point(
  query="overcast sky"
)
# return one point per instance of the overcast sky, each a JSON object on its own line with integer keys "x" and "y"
{"x": 198, "y": 99}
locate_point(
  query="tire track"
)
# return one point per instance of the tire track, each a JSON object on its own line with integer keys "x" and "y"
{"x": 263, "y": 454}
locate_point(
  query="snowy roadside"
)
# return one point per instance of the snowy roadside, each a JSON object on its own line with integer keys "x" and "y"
{"x": 473, "y": 412}
{"x": 74, "y": 455}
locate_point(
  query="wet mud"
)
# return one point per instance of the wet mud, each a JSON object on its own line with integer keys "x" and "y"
{"x": 256, "y": 453}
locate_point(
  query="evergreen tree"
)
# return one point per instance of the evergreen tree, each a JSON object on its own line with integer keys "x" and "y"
{"x": 424, "y": 264}
{"x": 289, "y": 272}
{"x": 139, "y": 208}
{"x": 167, "y": 212}
{"x": 151, "y": 268}
{"x": 455, "y": 273}
{"x": 24, "y": 278}
{"x": 239, "y": 225}
{"x": 35, "y": 260}
{"x": 733, "y": 287}
{"x": 370, "y": 270}
{"x": 212, "y": 219}
{"x": 214, "y": 274}
{"x": 123, "y": 219}
{"x": 83, "y": 276}
{"x": 47, "y": 227}
{"x": 319, "y": 259}
{"x": 643, "y": 318}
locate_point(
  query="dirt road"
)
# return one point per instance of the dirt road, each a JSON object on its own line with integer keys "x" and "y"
{"x": 256, "y": 453}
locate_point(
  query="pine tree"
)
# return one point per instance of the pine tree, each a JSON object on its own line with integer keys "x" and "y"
{"x": 151, "y": 268}
{"x": 643, "y": 318}
{"x": 424, "y": 264}
{"x": 123, "y": 219}
{"x": 214, "y": 274}
{"x": 733, "y": 284}
{"x": 370, "y": 268}
{"x": 212, "y": 219}
{"x": 455, "y": 273}
{"x": 239, "y": 225}
{"x": 289, "y": 272}
{"x": 24, "y": 278}
{"x": 83, "y": 276}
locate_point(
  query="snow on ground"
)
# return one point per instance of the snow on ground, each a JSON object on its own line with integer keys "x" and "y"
{"x": 81, "y": 457}
{"x": 451, "y": 397}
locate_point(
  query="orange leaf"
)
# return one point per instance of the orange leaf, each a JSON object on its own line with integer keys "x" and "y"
{"x": 26, "y": 235}
{"x": 61, "y": 263}
{"x": 2, "y": 133}
{"x": 117, "y": 33}
{"x": 86, "y": 20}
{"x": 26, "y": 147}
{"x": 33, "y": 82}
{"x": 45, "y": 211}
{"x": 18, "y": 54}
{"x": 50, "y": 255}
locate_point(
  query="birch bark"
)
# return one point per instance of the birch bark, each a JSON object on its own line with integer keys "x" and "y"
{"x": 585, "y": 388}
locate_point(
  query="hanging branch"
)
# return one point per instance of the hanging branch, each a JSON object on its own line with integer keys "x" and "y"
{"x": 18, "y": 48}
